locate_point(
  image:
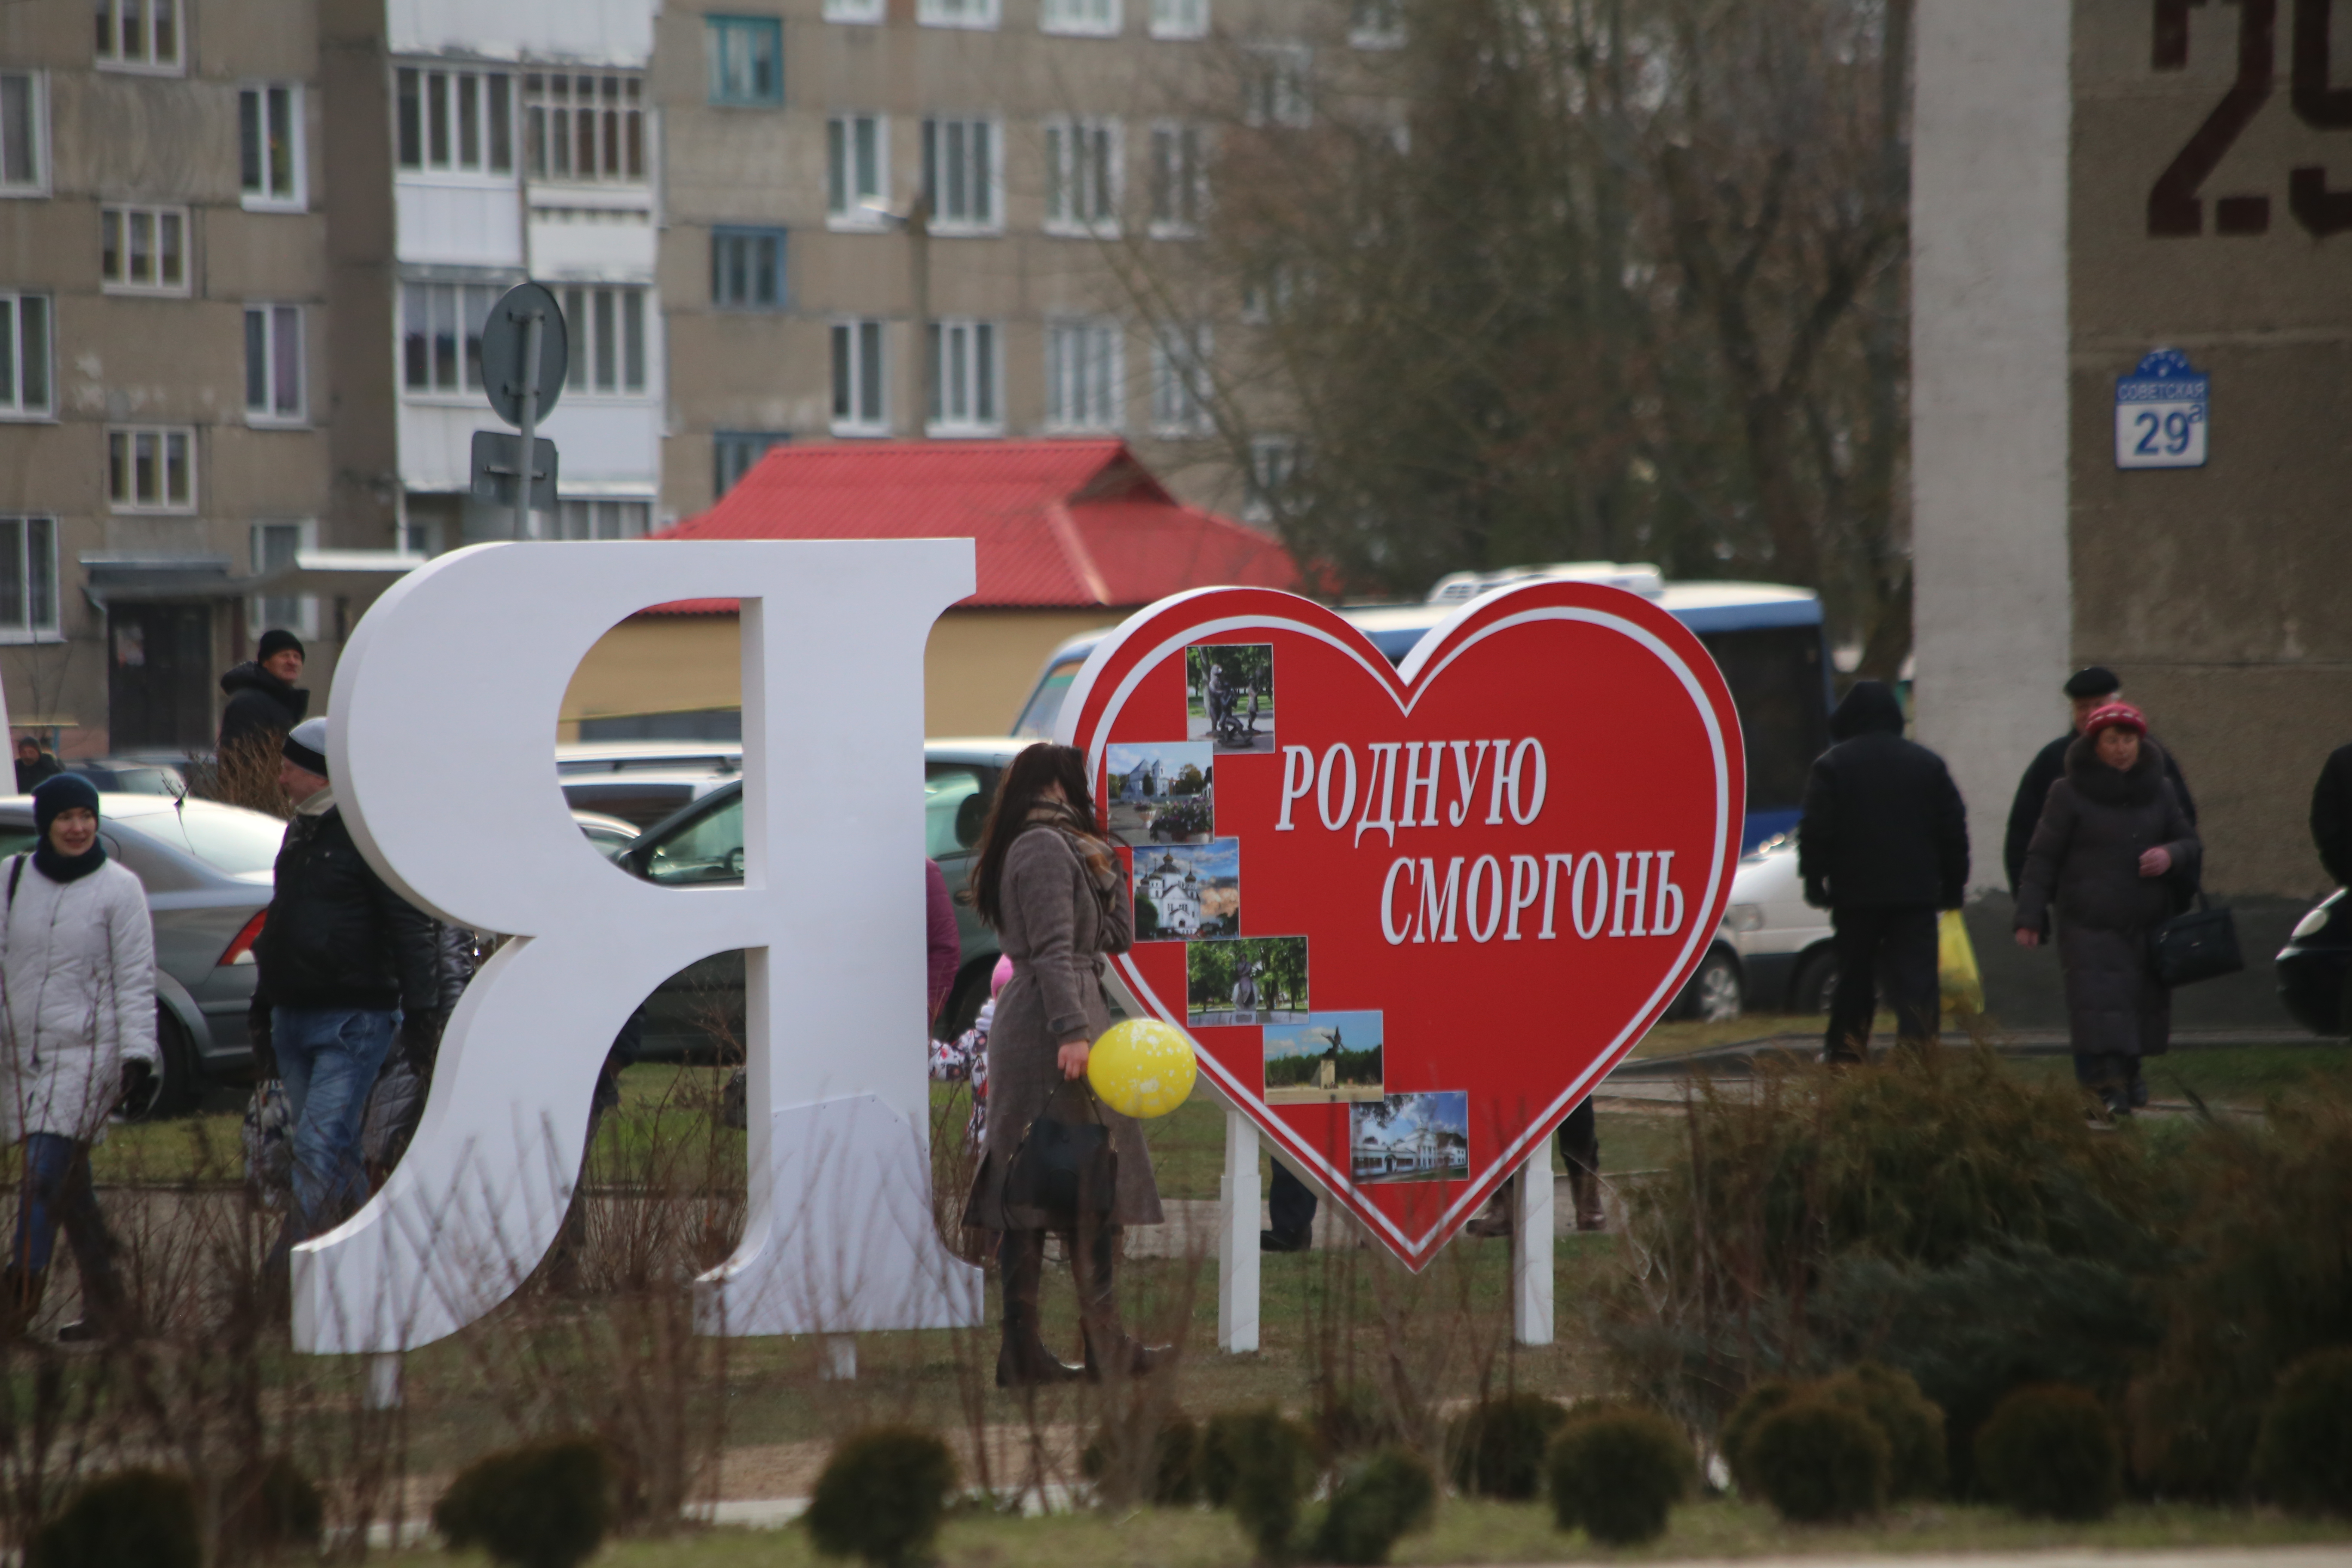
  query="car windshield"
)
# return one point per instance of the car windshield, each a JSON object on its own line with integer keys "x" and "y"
{"x": 708, "y": 849}
{"x": 1037, "y": 722}
{"x": 224, "y": 837}
{"x": 955, "y": 808}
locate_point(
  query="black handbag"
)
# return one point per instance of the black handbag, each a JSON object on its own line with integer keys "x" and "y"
{"x": 2201, "y": 944}
{"x": 1065, "y": 1169}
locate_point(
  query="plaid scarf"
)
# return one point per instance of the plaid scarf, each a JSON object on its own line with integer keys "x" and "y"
{"x": 1093, "y": 850}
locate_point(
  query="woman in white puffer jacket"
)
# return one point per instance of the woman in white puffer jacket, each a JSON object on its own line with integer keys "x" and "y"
{"x": 76, "y": 1028}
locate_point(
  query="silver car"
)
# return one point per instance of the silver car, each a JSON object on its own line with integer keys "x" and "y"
{"x": 207, "y": 868}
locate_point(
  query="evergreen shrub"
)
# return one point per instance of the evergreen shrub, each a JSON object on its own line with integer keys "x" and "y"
{"x": 2303, "y": 1458}
{"x": 1820, "y": 1460}
{"x": 1617, "y": 1474}
{"x": 882, "y": 1495}
{"x": 1261, "y": 1465}
{"x": 1498, "y": 1445}
{"x": 273, "y": 1507}
{"x": 1376, "y": 1502}
{"x": 1912, "y": 1423}
{"x": 1175, "y": 1468}
{"x": 1764, "y": 1396}
{"x": 2051, "y": 1451}
{"x": 143, "y": 1516}
{"x": 543, "y": 1505}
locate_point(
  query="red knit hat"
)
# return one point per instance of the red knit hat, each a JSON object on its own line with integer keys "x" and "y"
{"x": 2116, "y": 716}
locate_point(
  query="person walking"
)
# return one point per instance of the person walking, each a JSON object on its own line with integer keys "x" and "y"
{"x": 2086, "y": 691}
{"x": 264, "y": 704}
{"x": 2115, "y": 855}
{"x": 2331, "y": 831}
{"x": 78, "y": 975}
{"x": 344, "y": 964}
{"x": 1054, "y": 891}
{"x": 1884, "y": 845}
{"x": 34, "y": 764}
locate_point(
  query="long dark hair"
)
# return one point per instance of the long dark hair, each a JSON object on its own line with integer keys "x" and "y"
{"x": 1017, "y": 793}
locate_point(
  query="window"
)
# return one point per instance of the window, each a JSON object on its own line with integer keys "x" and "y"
{"x": 599, "y": 520}
{"x": 747, "y": 269}
{"x": 441, "y": 335}
{"x": 152, "y": 467}
{"x": 608, "y": 340}
{"x": 24, "y": 356}
{"x": 956, "y": 12}
{"x": 1097, "y": 18}
{"x": 856, "y": 171}
{"x": 963, "y": 176}
{"x": 460, "y": 121}
{"x": 143, "y": 250}
{"x": 746, "y": 59}
{"x": 1376, "y": 24}
{"x": 733, "y": 452}
{"x": 1267, "y": 292}
{"x": 585, "y": 127}
{"x": 269, "y": 145}
{"x": 28, "y": 579}
{"x": 273, "y": 545}
{"x": 1180, "y": 18}
{"x": 852, "y": 10}
{"x": 1180, "y": 180}
{"x": 861, "y": 405}
{"x": 1085, "y": 387}
{"x": 966, "y": 395}
{"x": 273, "y": 363}
{"x": 1180, "y": 381}
{"x": 1082, "y": 177}
{"x": 139, "y": 34}
{"x": 24, "y": 134}
{"x": 1273, "y": 85}
{"x": 1273, "y": 470}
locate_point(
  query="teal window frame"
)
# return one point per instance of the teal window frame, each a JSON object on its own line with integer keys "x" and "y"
{"x": 733, "y": 42}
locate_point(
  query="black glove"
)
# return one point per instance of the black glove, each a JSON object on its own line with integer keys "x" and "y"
{"x": 138, "y": 1075}
{"x": 1817, "y": 891}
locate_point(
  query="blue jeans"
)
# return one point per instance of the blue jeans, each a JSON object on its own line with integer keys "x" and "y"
{"x": 56, "y": 1192}
{"x": 329, "y": 1057}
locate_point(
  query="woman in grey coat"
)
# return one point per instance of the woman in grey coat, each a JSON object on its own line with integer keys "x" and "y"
{"x": 1054, "y": 891}
{"x": 2117, "y": 855}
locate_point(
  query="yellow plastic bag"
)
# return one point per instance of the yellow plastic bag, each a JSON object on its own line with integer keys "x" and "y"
{"x": 1955, "y": 967}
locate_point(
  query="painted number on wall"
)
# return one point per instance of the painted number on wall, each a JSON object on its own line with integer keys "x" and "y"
{"x": 2175, "y": 205}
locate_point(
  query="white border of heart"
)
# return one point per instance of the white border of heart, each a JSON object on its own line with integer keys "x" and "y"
{"x": 1410, "y": 673}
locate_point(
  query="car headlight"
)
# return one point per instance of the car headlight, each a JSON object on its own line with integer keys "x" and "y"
{"x": 2311, "y": 924}
{"x": 1745, "y": 917}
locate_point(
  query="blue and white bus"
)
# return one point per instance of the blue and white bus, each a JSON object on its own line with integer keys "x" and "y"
{"x": 1767, "y": 639}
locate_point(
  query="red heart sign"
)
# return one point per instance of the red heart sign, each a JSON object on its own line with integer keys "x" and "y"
{"x": 1412, "y": 916}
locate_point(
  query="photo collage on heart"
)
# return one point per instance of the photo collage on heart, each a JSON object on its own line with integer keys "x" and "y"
{"x": 1188, "y": 887}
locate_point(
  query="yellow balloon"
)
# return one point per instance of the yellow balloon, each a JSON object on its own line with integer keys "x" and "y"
{"x": 1142, "y": 1067}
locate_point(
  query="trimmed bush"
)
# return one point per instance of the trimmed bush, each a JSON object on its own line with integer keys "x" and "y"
{"x": 2050, "y": 1450}
{"x": 1175, "y": 1478}
{"x": 882, "y": 1495}
{"x": 1260, "y": 1465}
{"x": 1497, "y": 1447}
{"x": 273, "y": 1507}
{"x": 1818, "y": 1461}
{"x": 143, "y": 1516}
{"x": 1375, "y": 1503}
{"x": 2303, "y": 1458}
{"x": 1912, "y": 1423}
{"x": 543, "y": 1505}
{"x": 1763, "y": 1396}
{"x": 1351, "y": 1420}
{"x": 1617, "y": 1474}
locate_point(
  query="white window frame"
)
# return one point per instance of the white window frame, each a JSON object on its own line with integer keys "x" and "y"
{"x": 991, "y": 170}
{"x": 1071, "y": 169}
{"x": 267, "y": 198}
{"x": 274, "y": 315}
{"x": 1081, "y": 18}
{"x": 855, "y": 11}
{"x": 1275, "y": 465}
{"x": 965, "y": 370}
{"x": 35, "y": 548}
{"x": 110, "y": 55}
{"x": 469, "y": 308}
{"x": 36, "y": 133}
{"x": 1277, "y": 86}
{"x": 1181, "y": 183}
{"x": 456, "y": 87}
{"x": 587, "y": 316}
{"x": 596, "y": 517}
{"x": 852, "y": 211}
{"x": 1376, "y": 24}
{"x": 863, "y": 415}
{"x": 125, "y": 218}
{"x": 298, "y": 613}
{"x": 980, "y": 15}
{"x": 1180, "y": 18}
{"x": 1181, "y": 391}
{"x": 542, "y": 106}
{"x": 1090, "y": 351}
{"x": 13, "y": 404}
{"x": 128, "y": 437}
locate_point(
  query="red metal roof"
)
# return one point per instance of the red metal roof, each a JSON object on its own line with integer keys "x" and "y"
{"x": 1059, "y": 525}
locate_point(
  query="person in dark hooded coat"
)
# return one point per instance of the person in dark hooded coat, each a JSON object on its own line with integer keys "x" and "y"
{"x": 2115, "y": 855}
{"x": 2087, "y": 691}
{"x": 264, "y": 704}
{"x": 1882, "y": 846}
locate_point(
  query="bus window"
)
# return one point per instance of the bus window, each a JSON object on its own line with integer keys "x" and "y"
{"x": 1776, "y": 679}
{"x": 1036, "y": 720}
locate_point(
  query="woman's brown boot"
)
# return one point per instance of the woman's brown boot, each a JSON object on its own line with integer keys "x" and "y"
{"x": 1022, "y": 1361}
{"x": 1584, "y": 1187}
{"x": 1111, "y": 1352}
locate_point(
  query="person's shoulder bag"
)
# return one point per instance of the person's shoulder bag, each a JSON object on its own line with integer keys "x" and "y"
{"x": 1065, "y": 1170}
{"x": 2200, "y": 943}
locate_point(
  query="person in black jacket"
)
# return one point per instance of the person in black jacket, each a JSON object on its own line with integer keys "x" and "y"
{"x": 264, "y": 704}
{"x": 2331, "y": 815}
{"x": 344, "y": 964}
{"x": 1882, "y": 846}
{"x": 2086, "y": 689}
{"x": 34, "y": 764}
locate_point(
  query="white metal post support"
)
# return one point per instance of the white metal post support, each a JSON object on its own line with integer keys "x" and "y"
{"x": 1237, "y": 1254}
{"x": 1531, "y": 1248}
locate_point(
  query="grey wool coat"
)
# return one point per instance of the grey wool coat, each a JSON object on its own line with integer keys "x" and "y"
{"x": 2084, "y": 860}
{"x": 1057, "y": 938}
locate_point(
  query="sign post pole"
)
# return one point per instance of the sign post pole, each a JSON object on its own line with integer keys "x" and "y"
{"x": 533, "y": 330}
{"x": 1237, "y": 1254}
{"x": 1531, "y": 1248}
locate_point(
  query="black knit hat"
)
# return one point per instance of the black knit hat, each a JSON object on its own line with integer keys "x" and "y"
{"x": 2098, "y": 681}
{"x": 59, "y": 793}
{"x": 277, "y": 640}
